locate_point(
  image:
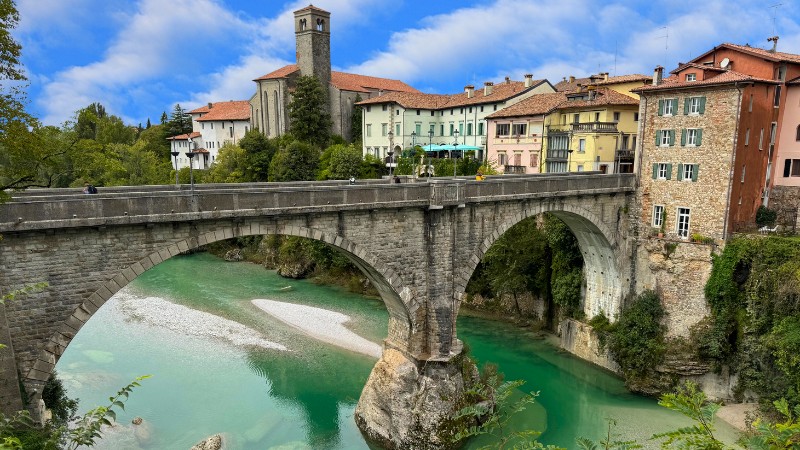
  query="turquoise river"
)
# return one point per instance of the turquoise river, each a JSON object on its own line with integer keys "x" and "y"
{"x": 302, "y": 397}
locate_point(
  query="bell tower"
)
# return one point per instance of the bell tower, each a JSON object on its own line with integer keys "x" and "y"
{"x": 313, "y": 43}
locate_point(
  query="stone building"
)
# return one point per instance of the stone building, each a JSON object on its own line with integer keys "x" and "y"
{"x": 402, "y": 119}
{"x": 269, "y": 105}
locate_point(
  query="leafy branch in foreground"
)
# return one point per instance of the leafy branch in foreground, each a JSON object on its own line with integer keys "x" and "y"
{"x": 606, "y": 443}
{"x": 88, "y": 428}
{"x": 492, "y": 419}
{"x": 692, "y": 403}
{"x": 769, "y": 436}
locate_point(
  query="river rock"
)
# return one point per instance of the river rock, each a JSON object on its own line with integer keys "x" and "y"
{"x": 142, "y": 431}
{"x": 296, "y": 269}
{"x": 211, "y": 443}
{"x": 234, "y": 255}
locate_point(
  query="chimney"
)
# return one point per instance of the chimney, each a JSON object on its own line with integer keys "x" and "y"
{"x": 210, "y": 105}
{"x": 470, "y": 90}
{"x": 658, "y": 75}
{"x": 605, "y": 76}
{"x": 571, "y": 78}
{"x": 774, "y": 40}
{"x": 528, "y": 80}
{"x": 508, "y": 80}
{"x": 488, "y": 87}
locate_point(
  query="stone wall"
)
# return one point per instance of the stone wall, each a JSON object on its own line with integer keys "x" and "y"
{"x": 580, "y": 339}
{"x": 786, "y": 201}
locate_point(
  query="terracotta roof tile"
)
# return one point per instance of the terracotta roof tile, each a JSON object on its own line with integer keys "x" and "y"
{"x": 774, "y": 56}
{"x": 602, "y": 96}
{"x": 283, "y": 72}
{"x": 232, "y": 110}
{"x": 624, "y": 79}
{"x": 727, "y": 77}
{"x": 500, "y": 92}
{"x": 311, "y": 8}
{"x": 682, "y": 66}
{"x": 193, "y": 134}
{"x": 346, "y": 81}
{"x": 569, "y": 86}
{"x": 533, "y": 105}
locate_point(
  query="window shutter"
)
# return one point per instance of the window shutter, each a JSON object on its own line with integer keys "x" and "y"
{"x": 680, "y": 172}
{"x": 695, "y": 171}
{"x": 671, "y": 137}
{"x": 787, "y": 168}
{"x": 686, "y": 102}
{"x": 669, "y": 171}
{"x": 655, "y": 169}
{"x": 661, "y": 107}
{"x": 702, "y": 105}
{"x": 658, "y": 138}
{"x": 683, "y": 137}
{"x": 699, "y": 137}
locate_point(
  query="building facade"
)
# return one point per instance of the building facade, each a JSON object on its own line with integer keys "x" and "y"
{"x": 269, "y": 104}
{"x": 213, "y": 126}
{"x": 399, "y": 120}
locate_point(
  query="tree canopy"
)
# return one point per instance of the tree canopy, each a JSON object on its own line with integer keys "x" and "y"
{"x": 308, "y": 111}
{"x": 295, "y": 162}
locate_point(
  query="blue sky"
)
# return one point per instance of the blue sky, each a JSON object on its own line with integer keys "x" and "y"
{"x": 141, "y": 57}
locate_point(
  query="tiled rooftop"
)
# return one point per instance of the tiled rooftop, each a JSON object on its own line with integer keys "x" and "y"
{"x": 727, "y": 77}
{"x": 500, "y": 92}
{"x": 533, "y": 105}
{"x": 232, "y": 110}
{"x": 346, "y": 81}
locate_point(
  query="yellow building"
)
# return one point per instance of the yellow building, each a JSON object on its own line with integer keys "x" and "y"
{"x": 595, "y": 129}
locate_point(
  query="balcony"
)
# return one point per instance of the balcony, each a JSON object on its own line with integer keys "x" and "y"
{"x": 595, "y": 127}
{"x": 624, "y": 154}
{"x": 514, "y": 170}
{"x": 556, "y": 154}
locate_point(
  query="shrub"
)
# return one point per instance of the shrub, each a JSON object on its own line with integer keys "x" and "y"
{"x": 637, "y": 340}
{"x": 766, "y": 216}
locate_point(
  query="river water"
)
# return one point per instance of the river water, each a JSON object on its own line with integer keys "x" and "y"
{"x": 265, "y": 384}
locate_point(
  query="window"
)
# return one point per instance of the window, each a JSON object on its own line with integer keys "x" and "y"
{"x": 480, "y": 129}
{"x": 534, "y": 159}
{"x": 744, "y": 170}
{"x": 470, "y": 110}
{"x": 747, "y": 136}
{"x": 231, "y": 131}
{"x": 469, "y": 129}
{"x": 203, "y": 127}
{"x": 418, "y": 129}
{"x": 431, "y": 129}
{"x": 666, "y": 107}
{"x": 636, "y": 117}
{"x": 461, "y": 111}
{"x": 418, "y": 112}
{"x": 694, "y": 105}
{"x": 777, "y": 101}
{"x": 750, "y": 106}
{"x": 683, "y": 222}
{"x": 451, "y": 112}
{"x": 441, "y": 130}
{"x": 461, "y": 128}
{"x": 369, "y": 108}
{"x": 616, "y": 116}
{"x": 503, "y": 129}
{"x": 597, "y": 117}
{"x": 580, "y": 167}
{"x": 691, "y": 137}
{"x": 791, "y": 168}
{"x": 212, "y": 125}
{"x": 797, "y": 134}
{"x": 481, "y": 108}
{"x": 452, "y": 128}
{"x": 397, "y": 130}
{"x": 691, "y": 77}
{"x": 687, "y": 172}
{"x": 662, "y": 171}
{"x": 581, "y": 145}
{"x": 433, "y": 113}
{"x": 665, "y": 138}
{"x": 384, "y": 107}
{"x": 494, "y": 107}
{"x": 576, "y": 118}
{"x": 384, "y": 128}
{"x": 501, "y": 159}
{"x": 369, "y": 130}
{"x": 658, "y": 215}
{"x": 761, "y": 140}
{"x": 519, "y": 129}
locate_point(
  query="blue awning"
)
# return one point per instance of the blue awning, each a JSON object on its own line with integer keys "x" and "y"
{"x": 449, "y": 147}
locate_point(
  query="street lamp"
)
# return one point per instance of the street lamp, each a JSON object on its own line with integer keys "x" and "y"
{"x": 390, "y": 153}
{"x": 455, "y": 147}
{"x": 190, "y": 154}
{"x": 430, "y": 147}
{"x": 175, "y": 157}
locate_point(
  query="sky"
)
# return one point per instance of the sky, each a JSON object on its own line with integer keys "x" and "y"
{"x": 140, "y": 58}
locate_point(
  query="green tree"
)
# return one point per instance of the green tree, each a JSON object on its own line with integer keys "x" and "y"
{"x": 637, "y": 339}
{"x": 180, "y": 121}
{"x": 310, "y": 120}
{"x": 259, "y": 151}
{"x": 356, "y": 119}
{"x": 231, "y": 166}
{"x": 164, "y": 118}
{"x": 294, "y": 162}
{"x": 340, "y": 162}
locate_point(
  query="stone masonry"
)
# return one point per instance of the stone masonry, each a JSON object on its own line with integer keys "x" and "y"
{"x": 418, "y": 243}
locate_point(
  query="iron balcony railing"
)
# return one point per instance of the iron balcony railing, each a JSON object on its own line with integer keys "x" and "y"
{"x": 557, "y": 154}
{"x": 514, "y": 169}
{"x": 623, "y": 153}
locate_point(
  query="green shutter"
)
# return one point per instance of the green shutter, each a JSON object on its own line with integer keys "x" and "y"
{"x": 683, "y": 137}
{"x": 655, "y": 170}
{"x": 680, "y": 172}
{"x": 702, "y": 105}
{"x": 669, "y": 171}
{"x": 658, "y": 136}
{"x": 699, "y": 137}
{"x": 661, "y": 107}
{"x": 694, "y": 172}
{"x": 686, "y": 102}
{"x": 671, "y": 137}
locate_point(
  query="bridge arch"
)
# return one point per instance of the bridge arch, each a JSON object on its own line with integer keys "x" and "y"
{"x": 598, "y": 245}
{"x": 399, "y": 301}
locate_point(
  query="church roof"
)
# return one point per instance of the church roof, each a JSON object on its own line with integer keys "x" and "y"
{"x": 346, "y": 81}
{"x": 232, "y": 110}
{"x": 311, "y": 8}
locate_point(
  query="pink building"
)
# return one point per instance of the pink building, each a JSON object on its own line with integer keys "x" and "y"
{"x": 787, "y": 166}
{"x": 515, "y": 133}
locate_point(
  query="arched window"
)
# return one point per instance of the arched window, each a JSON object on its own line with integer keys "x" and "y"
{"x": 265, "y": 119}
{"x": 320, "y": 25}
{"x": 303, "y": 24}
{"x": 277, "y": 116}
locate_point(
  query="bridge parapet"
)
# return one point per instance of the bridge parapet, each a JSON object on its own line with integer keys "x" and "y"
{"x": 65, "y": 209}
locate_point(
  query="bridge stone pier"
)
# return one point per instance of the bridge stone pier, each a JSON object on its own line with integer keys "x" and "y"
{"x": 417, "y": 242}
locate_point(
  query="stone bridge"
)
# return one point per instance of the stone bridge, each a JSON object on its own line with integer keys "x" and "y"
{"x": 417, "y": 242}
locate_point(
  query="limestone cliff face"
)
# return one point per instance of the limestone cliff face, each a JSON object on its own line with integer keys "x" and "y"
{"x": 405, "y": 402}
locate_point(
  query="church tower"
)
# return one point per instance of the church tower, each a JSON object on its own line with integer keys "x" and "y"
{"x": 313, "y": 43}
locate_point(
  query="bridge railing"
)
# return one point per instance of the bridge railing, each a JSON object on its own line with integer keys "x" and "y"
{"x": 65, "y": 208}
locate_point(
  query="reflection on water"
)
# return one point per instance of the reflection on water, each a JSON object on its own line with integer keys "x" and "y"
{"x": 304, "y": 397}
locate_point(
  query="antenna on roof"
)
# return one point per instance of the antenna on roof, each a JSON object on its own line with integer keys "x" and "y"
{"x": 616, "y": 42}
{"x": 774, "y": 14}
{"x": 666, "y": 43}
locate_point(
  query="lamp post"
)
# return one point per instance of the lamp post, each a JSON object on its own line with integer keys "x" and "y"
{"x": 390, "y": 153}
{"x": 430, "y": 147}
{"x": 190, "y": 154}
{"x": 175, "y": 157}
{"x": 455, "y": 147}
{"x": 569, "y": 154}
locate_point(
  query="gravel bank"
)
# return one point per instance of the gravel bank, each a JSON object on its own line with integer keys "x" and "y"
{"x": 322, "y": 324}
